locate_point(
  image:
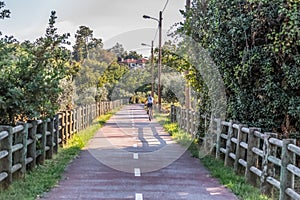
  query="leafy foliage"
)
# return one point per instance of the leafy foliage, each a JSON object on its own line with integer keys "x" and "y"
{"x": 176, "y": 57}
{"x": 111, "y": 76}
{"x": 84, "y": 42}
{"x": 30, "y": 75}
{"x": 256, "y": 46}
{"x": 4, "y": 13}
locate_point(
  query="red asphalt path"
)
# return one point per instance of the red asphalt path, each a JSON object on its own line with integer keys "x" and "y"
{"x": 132, "y": 158}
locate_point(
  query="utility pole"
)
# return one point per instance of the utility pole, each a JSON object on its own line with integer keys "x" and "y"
{"x": 152, "y": 66}
{"x": 187, "y": 85}
{"x": 159, "y": 20}
{"x": 152, "y": 69}
{"x": 159, "y": 61}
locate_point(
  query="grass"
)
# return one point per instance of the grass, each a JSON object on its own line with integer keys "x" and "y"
{"x": 45, "y": 176}
{"x": 225, "y": 175}
{"x": 228, "y": 178}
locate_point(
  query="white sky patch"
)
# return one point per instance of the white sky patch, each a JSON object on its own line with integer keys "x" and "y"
{"x": 106, "y": 18}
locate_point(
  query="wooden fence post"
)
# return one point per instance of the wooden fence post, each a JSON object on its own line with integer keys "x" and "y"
{"x": 182, "y": 118}
{"x": 100, "y": 108}
{"x": 97, "y": 109}
{"x": 50, "y": 138}
{"x": 228, "y": 144}
{"x": 286, "y": 177}
{"x": 178, "y": 115}
{"x": 32, "y": 147}
{"x": 218, "y": 143}
{"x": 90, "y": 112}
{"x": 83, "y": 117}
{"x": 63, "y": 128}
{"x": 93, "y": 111}
{"x": 251, "y": 157}
{"x": 80, "y": 116}
{"x": 192, "y": 122}
{"x": 68, "y": 125}
{"x": 24, "y": 151}
{"x": 267, "y": 167}
{"x": 6, "y": 164}
{"x": 172, "y": 113}
{"x": 187, "y": 121}
{"x": 71, "y": 118}
{"x": 89, "y": 115}
{"x": 56, "y": 133}
{"x": 209, "y": 138}
{"x": 19, "y": 156}
{"x": 43, "y": 141}
{"x": 75, "y": 121}
{"x": 103, "y": 107}
{"x": 237, "y": 167}
{"x": 22, "y": 159}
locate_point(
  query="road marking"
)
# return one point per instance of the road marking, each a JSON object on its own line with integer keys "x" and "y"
{"x": 135, "y": 145}
{"x": 138, "y": 196}
{"x": 135, "y": 156}
{"x": 137, "y": 172}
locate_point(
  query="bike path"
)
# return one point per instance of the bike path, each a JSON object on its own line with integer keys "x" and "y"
{"x": 133, "y": 158}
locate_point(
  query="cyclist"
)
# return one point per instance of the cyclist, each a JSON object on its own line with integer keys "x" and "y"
{"x": 149, "y": 102}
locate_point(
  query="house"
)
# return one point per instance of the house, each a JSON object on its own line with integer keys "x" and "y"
{"x": 133, "y": 63}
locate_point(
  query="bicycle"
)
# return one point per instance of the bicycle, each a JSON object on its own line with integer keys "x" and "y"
{"x": 149, "y": 107}
{"x": 150, "y": 113}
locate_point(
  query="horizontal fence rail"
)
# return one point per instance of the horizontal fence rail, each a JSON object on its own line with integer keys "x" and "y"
{"x": 265, "y": 161}
{"x": 28, "y": 144}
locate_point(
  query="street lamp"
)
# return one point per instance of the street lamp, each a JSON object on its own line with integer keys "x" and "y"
{"x": 152, "y": 67}
{"x": 159, "y": 20}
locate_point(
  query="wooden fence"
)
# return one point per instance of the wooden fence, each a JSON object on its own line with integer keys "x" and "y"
{"x": 28, "y": 144}
{"x": 266, "y": 161}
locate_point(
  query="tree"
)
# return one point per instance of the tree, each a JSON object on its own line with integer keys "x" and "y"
{"x": 81, "y": 47}
{"x": 132, "y": 55}
{"x": 31, "y": 75}
{"x": 256, "y": 46}
{"x": 118, "y": 50}
{"x": 4, "y": 13}
{"x": 111, "y": 76}
{"x": 92, "y": 68}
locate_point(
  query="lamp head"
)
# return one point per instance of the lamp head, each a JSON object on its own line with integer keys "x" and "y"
{"x": 146, "y": 17}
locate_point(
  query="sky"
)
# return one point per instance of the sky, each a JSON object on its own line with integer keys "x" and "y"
{"x": 111, "y": 20}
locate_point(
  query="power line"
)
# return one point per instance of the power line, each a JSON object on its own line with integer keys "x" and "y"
{"x": 155, "y": 34}
{"x": 165, "y": 6}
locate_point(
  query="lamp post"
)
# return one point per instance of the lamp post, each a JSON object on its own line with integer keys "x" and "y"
{"x": 152, "y": 67}
{"x": 159, "y": 20}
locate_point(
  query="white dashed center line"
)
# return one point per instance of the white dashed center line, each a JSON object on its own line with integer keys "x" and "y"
{"x": 138, "y": 196}
{"x": 137, "y": 172}
{"x": 135, "y": 156}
